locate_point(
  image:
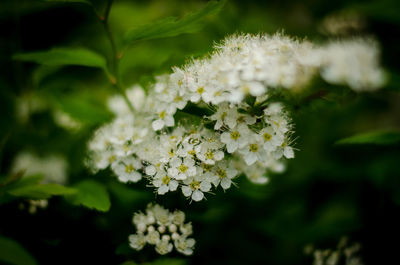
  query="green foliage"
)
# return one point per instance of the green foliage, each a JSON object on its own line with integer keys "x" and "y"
{"x": 65, "y": 56}
{"x": 41, "y": 191}
{"x": 376, "y": 138}
{"x": 30, "y": 188}
{"x": 171, "y": 26}
{"x": 83, "y": 108}
{"x": 92, "y": 195}
{"x": 11, "y": 252}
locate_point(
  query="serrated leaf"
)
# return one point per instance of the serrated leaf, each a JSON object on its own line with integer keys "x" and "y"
{"x": 92, "y": 195}
{"x": 377, "y": 138}
{"x": 171, "y": 26}
{"x": 43, "y": 191}
{"x": 65, "y": 56}
{"x": 11, "y": 252}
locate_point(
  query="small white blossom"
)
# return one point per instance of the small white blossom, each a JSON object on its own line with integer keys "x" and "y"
{"x": 181, "y": 169}
{"x": 195, "y": 187}
{"x": 127, "y": 169}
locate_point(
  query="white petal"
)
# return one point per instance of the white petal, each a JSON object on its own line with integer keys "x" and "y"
{"x": 218, "y": 155}
{"x": 288, "y": 152}
{"x": 187, "y": 191}
{"x": 205, "y": 186}
{"x": 225, "y": 137}
{"x": 181, "y": 176}
{"x": 226, "y": 183}
{"x": 173, "y": 185}
{"x": 150, "y": 170}
{"x": 250, "y": 158}
{"x": 163, "y": 189}
{"x": 173, "y": 172}
{"x": 169, "y": 121}
{"x": 197, "y": 195}
{"x": 231, "y": 147}
{"x": 158, "y": 124}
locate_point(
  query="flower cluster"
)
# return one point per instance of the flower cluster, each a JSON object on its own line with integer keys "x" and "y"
{"x": 52, "y": 167}
{"x": 345, "y": 253}
{"x": 216, "y": 118}
{"x": 163, "y": 229}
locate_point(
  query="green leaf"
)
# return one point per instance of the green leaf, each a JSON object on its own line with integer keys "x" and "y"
{"x": 43, "y": 191}
{"x": 377, "y": 138}
{"x": 84, "y": 109}
{"x": 92, "y": 195}
{"x": 171, "y": 26}
{"x": 65, "y": 56}
{"x": 11, "y": 252}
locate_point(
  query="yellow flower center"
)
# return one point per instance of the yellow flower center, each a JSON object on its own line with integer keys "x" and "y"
{"x": 112, "y": 158}
{"x": 195, "y": 185}
{"x": 221, "y": 173}
{"x": 166, "y": 179}
{"x": 253, "y": 148}
{"x": 246, "y": 89}
{"x": 182, "y": 168}
{"x": 129, "y": 168}
{"x": 240, "y": 119}
{"x": 200, "y": 90}
{"x": 209, "y": 155}
{"x": 178, "y": 98}
{"x": 162, "y": 114}
{"x": 192, "y": 152}
{"x": 235, "y": 135}
{"x": 180, "y": 82}
{"x": 223, "y": 115}
{"x": 267, "y": 137}
{"x": 206, "y": 167}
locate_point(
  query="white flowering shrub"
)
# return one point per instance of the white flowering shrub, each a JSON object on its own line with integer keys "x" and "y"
{"x": 244, "y": 131}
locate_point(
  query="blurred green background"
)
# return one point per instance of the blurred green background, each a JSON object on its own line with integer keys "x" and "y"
{"x": 329, "y": 190}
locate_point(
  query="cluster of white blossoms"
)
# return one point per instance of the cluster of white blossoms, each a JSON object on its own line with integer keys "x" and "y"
{"x": 52, "y": 167}
{"x": 241, "y": 128}
{"x": 163, "y": 229}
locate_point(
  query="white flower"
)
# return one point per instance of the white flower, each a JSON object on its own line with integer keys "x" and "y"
{"x": 127, "y": 168}
{"x": 223, "y": 175}
{"x": 181, "y": 169}
{"x": 352, "y": 62}
{"x": 164, "y": 183}
{"x": 164, "y": 247}
{"x": 164, "y": 116}
{"x": 209, "y": 151}
{"x": 270, "y": 139}
{"x": 253, "y": 151}
{"x": 53, "y": 167}
{"x": 284, "y": 150}
{"x": 224, "y": 116}
{"x": 195, "y": 186}
{"x": 137, "y": 241}
{"x": 236, "y": 138}
{"x": 184, "y": 245}
{"x": 153, "y": 237}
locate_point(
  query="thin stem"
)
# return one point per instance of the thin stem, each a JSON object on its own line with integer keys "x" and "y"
{"x": 115, "y": 57}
